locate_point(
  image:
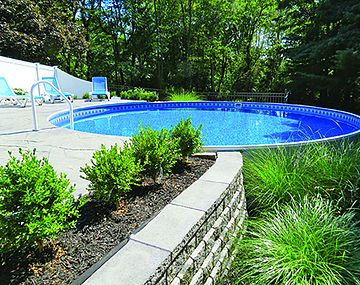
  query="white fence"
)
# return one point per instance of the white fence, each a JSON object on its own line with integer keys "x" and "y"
{"x": 23, "y": 74}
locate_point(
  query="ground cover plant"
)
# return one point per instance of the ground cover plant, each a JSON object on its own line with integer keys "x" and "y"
{"x": 304, "y": 214}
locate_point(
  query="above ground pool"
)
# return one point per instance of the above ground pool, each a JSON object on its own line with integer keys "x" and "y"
{"x": 225, "y": 125}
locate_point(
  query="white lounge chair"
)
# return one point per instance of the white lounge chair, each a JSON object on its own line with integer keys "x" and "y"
{"x": 99, "y": 87}
{"x": 7, "y": 94}
{"x": 50, "y": 92}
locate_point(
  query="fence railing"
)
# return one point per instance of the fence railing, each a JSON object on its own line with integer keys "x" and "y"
{"x": 219, "y": 96}
{"x": 262, "y": 97}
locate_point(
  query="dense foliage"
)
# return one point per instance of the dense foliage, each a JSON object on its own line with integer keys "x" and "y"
{"x": 139, "y": 94}
{"x": 44, "y": 31}
{"x": 155, "y": 150}
{"x": 309, "y": 47}
{"x": 35, "y": 202}
{"x": 188, "y": 138}
{"x": 112, "y": 172}
{"x": 323, "y": 44}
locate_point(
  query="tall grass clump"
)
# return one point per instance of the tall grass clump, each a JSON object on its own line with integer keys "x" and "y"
{"x": 335, "y": 172}
{"x": 184, "y": 96}
{"x": 305, "y": 242}
{"x": 275, "y": 176}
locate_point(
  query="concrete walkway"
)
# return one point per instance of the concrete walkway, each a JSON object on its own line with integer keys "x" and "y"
{"x": 66, "y": 150}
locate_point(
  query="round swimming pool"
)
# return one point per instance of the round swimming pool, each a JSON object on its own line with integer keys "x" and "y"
{"x": 226, "y": 125}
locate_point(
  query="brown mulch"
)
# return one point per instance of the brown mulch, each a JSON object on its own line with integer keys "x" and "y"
{"x": 99, "y": 229}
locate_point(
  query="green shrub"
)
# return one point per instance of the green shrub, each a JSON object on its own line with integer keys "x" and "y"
{"x": 35, "y": 202}
{"x": 139, "y": 94}
{"x": 126, "y": 94}
{"x": 301, "y": 243}
{"x": 189, "y": 139}
{"x": 112, "y": 172}
{"x": 85, "y": 96}
{"x": 275, "y": 176}
{"x": 112, "y": 94}
{"x": 155, "y": 150}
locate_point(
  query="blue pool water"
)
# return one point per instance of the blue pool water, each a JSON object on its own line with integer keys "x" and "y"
{"x": 227, "y": 126}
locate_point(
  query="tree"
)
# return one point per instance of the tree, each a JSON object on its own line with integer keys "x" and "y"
{"x": 325, "y": 52}
{"x": 42, "y": 31}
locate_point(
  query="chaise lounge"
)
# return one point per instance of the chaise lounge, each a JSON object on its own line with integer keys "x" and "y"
{"x": 7, "y": 94}
{"x": 99, "y": 87}
{"x": 50, "y": 92}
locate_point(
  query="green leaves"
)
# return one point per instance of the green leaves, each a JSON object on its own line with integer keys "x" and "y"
{"x": 323, "y": 49}
{"x": 139, "y": 94}
{"x": 155, "y": 150}
{"x": 112, "y": 172}
{"x": 39, "y": 31}
{"x": 182, "y": 95}
{"x": 35, "y": 202}
{"x": 189, "y": 139}
{"x": 151, "y": 153}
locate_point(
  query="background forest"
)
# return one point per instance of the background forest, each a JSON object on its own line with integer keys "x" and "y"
{"x": 308, "y": 47}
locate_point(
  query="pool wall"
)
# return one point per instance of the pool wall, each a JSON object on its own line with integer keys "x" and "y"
{"x": 62, "y": 119}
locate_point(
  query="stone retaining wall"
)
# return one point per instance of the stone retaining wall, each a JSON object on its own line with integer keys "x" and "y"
{"x": 204, "y": 255}
{"x": 189, "y": 241}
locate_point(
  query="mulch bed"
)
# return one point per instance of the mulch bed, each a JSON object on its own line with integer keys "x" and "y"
{"x": 98, "y": 230}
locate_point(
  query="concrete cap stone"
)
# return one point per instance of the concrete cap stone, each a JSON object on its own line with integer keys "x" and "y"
{"x": 173, "y": 220}
{"x": 225, "y": 169}
{"x": 200, "y": 195}
{"x": 131, "y": 265}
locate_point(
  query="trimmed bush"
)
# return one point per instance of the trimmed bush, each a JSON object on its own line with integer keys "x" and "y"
{"x": 189, "y": 139}
{"x": 112, "y": 172}
{"x": 155, "y": 150}
{"x": 85, "y": 96}
{"x": 35, "y": 202}
{"x": 139, "y": 94}
{"x": 305, "y": 242}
